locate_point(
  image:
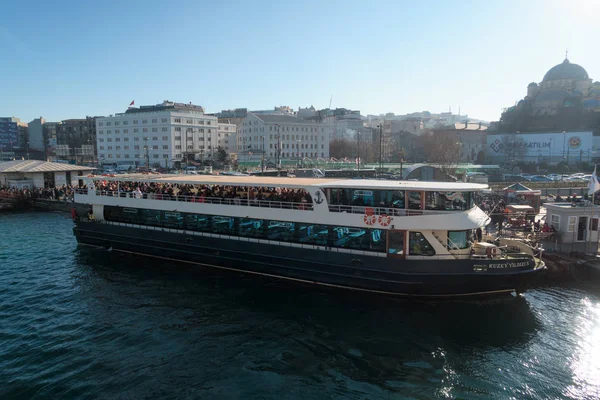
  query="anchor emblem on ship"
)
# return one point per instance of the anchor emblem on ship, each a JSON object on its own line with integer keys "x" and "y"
{"x": 318, "y": 198}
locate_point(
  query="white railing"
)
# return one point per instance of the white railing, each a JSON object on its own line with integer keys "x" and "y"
{"x": 238, "y": 201}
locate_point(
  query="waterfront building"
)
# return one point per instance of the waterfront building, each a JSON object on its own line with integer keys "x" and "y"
{"x": 164, "y": 134}
{"x": 28, "y": 174}
{"x": 9, "y": 137}
{"x": 36, "y": 135}
{"x": 76, "y": 140}
{"x": 283, "y": 137}
{"x": 576, "y": 226}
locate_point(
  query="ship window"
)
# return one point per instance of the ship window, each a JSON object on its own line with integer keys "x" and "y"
{"x": 195, "y": 222}
{"x": 280, "y": 231}
{"x": 250, "y": 227}
{"x": 222, "y": 225}
{"x": 396, "y": 242}
{"x": 150, "y": 217}
{"x": 172, "y": 219}
{"x": 450, "y": 201}
{"x": 377, "y": 237}
{"x": 312, "y": 234}
{"x": 458, "y": 240}
{"x": 419, "y": 245}
{"x": 352, "y": 238}
{"x": 414, "y": 200}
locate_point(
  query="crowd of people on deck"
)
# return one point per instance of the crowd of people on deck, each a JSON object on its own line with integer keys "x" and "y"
{"x": 62, "y": 193}
{"x": 200, "y": 193}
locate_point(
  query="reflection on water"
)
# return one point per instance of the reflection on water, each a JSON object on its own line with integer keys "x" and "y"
{"x": 80, "y": 322}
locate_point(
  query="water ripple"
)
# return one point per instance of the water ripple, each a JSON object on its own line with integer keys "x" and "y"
{"x": 82, "y": 323}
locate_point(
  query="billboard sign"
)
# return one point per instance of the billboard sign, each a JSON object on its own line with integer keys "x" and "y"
{"x": 536, "y": 144}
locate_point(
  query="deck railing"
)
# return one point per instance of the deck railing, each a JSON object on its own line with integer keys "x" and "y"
{"x": 239, "y": 201}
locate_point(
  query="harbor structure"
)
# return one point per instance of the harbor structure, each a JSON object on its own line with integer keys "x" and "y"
{"x": 28, "y": 174}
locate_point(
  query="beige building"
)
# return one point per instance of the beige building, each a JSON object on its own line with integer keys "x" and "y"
{"x": 28, "y": 174}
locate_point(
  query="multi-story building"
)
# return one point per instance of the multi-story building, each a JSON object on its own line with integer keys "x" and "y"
{"x": 227, "y": 137}
{"x": 9, "y": 137}
{"x": 161, "y": 134}
{"x": 36, "y": 135}
{"x": 76, "y": 139}
{"x": 50, "y": 140}
{"x": 283, "y": 137}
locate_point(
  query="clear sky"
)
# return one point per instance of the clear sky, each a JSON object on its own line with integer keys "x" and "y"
{"x": 68, "y": 59}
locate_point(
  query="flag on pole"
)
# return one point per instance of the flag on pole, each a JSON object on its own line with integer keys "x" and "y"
{"x": 593, "y": 185}
{"x": 132, "y": 103}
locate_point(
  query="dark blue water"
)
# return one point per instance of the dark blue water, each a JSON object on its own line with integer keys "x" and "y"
{"x": 83, "y": 323}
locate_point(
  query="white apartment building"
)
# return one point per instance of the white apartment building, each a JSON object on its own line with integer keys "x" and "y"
{"x": 227, "y": 137}
{"x": 170, "y": 132}
{"x": 298, "y": 138}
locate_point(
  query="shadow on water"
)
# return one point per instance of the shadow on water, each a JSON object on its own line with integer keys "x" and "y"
{"x": 304, "y": 331}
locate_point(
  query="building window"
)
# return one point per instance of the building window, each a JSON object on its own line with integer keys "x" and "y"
{"x": 572, "y": 224}
{"x": 178, "y": 147}
{"x": 154, "y": 137}
{"x": 110, "y": 156}
{"x": 108, "y": 131}
{"x": 125, "y": 130}
{"x": 136, "y": 139}
{"x": 155, "y": 147}
{"x": 101, "y": 124}
{"x": 136, "y": 147}
{"x": 144, "y": 121}
{"x": 126, "y": 139}
{"x": 100, "y": 132}
{"x": 117, "y": 139}
{"x": 125, "y": 122}
{"x": 117, "y": 147}
{"x": 177, "y": 137}
{"x": 135, "y": 121}
{"x": 165, "y": 147}
{"x": 555, "y": 222}
{"x": 154, "y": 120}
{"x": 116, "y": 123}
{"x": 135, "y": 130}
{"x": 101, "y": 140}
{"x": 178, "y": 120}
{"x": 163, "y": 120}
{"x": 101, "y": 147}
{"x": 109, "y": 140}
{"x": 165, "y": 138}
{"x": 164, "y": 128}
{"x": 145, "y": 130}
{"x": 178, "y": 129}
{"x": 126, "y": 155}
{"x": 154, "y": 129}
{"x": 126, "y": 147}
{"x": 108, "y": 123}
{"x": 109, "y": 147}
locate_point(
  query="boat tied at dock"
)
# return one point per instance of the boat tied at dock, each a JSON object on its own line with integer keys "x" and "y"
{"x": 394, "y": 237}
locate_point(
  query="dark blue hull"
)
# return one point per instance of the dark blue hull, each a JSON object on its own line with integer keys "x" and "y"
{"x": 432, "y": 277}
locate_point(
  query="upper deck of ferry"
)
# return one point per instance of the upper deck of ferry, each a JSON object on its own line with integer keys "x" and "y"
{"x": 270, "y": 181}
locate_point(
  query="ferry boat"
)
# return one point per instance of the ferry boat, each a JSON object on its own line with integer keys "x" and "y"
{"x": 406, "y": 238}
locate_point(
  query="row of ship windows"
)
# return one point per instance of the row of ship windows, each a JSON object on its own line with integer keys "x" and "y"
{"x": 323, "y": 235}
{"x": 163, "y": 129}
{"x": 162, "y": 120}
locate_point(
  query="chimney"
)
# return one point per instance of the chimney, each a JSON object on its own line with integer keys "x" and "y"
{"x": 466, "y": 124}
{"x": 479, "y": 125}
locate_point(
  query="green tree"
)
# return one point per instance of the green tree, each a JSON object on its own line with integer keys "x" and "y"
{"x": 221, "y": 154}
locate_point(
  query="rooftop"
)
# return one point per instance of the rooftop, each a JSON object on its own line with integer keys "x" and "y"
{"x": 39, "y": 166}
{"x": 283, "y": 119}
{"x": 270, "y": 181}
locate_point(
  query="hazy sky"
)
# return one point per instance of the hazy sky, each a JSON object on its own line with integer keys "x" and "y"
{"x": 69, "y": 59}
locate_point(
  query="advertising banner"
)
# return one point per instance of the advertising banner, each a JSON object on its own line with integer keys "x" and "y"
{"x": 547, "y": 144}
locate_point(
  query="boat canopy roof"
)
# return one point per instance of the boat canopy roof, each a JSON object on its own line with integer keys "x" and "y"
{"x": 272, "y": 181}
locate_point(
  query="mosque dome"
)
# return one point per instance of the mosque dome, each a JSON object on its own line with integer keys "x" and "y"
{"x": 566, "y": 70}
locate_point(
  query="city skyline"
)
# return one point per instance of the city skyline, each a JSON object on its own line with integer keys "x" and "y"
{"x": 77, "y": 60}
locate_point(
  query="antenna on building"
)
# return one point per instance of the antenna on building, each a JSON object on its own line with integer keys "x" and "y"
{"x": 330, "y": 100}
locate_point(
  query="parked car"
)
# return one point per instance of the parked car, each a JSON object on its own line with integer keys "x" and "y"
{"x": 540, "y": 178}
{"x": 512, "y": 178}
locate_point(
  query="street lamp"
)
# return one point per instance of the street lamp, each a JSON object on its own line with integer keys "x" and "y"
{"x": 380, "y": 126}
{"x": 147, "y": 154}
{"x": 298, "y": 153}
{"x": 262, "y": 161}
{"x": 358, "y": 150}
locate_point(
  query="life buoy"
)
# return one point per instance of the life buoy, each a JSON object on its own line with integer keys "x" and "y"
{"x": 369, "y": 219}
{"x": 384, "y": 220}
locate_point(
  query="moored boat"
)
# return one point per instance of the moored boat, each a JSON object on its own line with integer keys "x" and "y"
{"x": 393, "y": 237}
